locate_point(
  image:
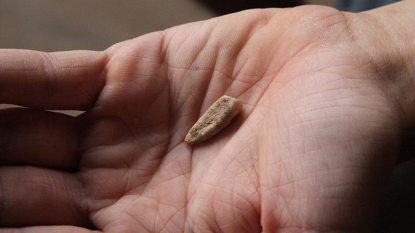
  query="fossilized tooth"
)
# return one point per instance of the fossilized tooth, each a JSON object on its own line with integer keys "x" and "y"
{"x": 217, "y": 117}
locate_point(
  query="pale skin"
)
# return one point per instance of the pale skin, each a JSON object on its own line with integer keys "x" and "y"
{"x": 327, "y": 105}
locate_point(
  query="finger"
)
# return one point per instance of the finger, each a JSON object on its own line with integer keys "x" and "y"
{"x": 32, "y": 196}
{"x": 38, "y": 138}
{"x": 62, "y": 80}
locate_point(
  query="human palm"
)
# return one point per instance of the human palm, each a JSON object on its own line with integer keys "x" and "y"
{"x": 308, "y": 151}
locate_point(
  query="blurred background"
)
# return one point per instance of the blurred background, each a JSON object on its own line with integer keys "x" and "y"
{"x": 97, "y": 24}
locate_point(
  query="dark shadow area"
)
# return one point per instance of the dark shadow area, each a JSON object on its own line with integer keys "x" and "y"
{"x": 222, "y": 7}
{"x": 397, "y": 213}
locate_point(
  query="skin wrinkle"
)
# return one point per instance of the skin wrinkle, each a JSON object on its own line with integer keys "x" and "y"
{"x": 203, "y": 221}
{"x": 232, "y": 63}
{"x": 287, "y": 204}
{"x": 180, "y": 45}
{"x": 199, "y": 103}
{"x": 242, "y": 211}
{"x": 328, "y": 23}
{"x": 49, "y": 66}
{"x": 265, "y": 70}
{"x": 258, "y": 31}
{"x": 80, "y": 207}
{"x": 183, "y": 44}
{"x": 22, "y": 54}
{"x": 205, "y": 217}
{"x": 166, "y": 221}
{"x": 174, "y": 215}
{"x": 217, "y": 208}
{"x": 134, "y": 219}
{"x": 171, "y": 113}
{"x": 84, "y": 202}
{"x": 44, "y": 68}
{"x": 392, "y": 36}
{"x": 354, "y": 37}
{"x": 101, "y": 75}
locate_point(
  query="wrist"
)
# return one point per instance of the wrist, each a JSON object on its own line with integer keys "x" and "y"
{"x": 387, "y": 35}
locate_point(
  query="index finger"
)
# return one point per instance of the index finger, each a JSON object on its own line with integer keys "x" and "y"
{"x": 60, "y": 80}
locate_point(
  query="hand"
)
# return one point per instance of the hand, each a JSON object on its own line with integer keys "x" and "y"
{"x": 311, "y": 150}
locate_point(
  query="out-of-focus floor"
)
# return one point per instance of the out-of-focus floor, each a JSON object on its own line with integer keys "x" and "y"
{"x": 92, "y": 24}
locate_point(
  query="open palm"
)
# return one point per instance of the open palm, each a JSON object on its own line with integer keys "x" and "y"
{"x": 308, "y": 152}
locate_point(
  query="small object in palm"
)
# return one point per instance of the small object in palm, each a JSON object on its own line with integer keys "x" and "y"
{"x": 217, "y": 117}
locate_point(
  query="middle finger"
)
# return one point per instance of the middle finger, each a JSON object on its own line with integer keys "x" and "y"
{"x": 40, "y": 138}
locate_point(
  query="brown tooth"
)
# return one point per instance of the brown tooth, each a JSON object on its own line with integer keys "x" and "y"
{"x": 217, "y": 117}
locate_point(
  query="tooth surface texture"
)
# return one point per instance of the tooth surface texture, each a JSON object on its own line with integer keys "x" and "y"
{"x": 217, "y": 117}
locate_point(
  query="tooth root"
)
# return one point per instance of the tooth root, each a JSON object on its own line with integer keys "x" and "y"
{"x": 217, "y": 117}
